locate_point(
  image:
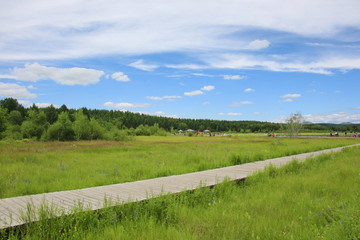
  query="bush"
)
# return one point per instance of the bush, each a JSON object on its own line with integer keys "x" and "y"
{"x": 62, "y": 129}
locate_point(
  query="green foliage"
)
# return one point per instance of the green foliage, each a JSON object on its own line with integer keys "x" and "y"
{"x": 146, "y": 130}
{"x": 81, "y": 126}
{"x": 35, "y": 125}
{"x": 294, "y": 124}
{"x": 61, "y": 130}
{"x": 3, "y": 120}
{"x": 51, "y": 114}
{"x": 15, "y": 118}
{"x": 91, "y": 124}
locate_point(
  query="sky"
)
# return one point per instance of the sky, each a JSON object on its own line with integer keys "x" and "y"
{"x": 257, "y": 60}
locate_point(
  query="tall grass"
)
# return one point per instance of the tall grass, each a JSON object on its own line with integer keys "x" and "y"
{"x": 317, "y": 199}
{"x": 33, "y": 167}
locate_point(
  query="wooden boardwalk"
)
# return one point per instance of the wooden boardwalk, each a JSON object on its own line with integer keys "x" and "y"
{"x": 11, "y": 209}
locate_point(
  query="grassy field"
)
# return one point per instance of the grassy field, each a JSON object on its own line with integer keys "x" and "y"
{"x": 317, "y": 199}
{"x": 37, "y": 167}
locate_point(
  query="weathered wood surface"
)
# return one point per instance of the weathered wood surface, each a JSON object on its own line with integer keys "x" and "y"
{"x": 11, "y": 209}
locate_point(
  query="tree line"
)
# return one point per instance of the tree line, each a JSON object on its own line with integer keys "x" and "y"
{"x": 50, "y": 123}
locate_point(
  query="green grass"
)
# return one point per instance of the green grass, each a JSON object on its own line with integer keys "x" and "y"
{"x": 36, "y": 167}
{"x": 317, "y": 199}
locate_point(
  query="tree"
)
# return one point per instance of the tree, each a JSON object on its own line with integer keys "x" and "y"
{"x": 2, "y": 120}
{"x": 35, "y": 124}
{"x": 15, "y": 118}
{"x": 51, "y": 114}
{"x": 10, "y": 104}
{"x": 294, "y": 124}
{"x": 81, "y": 126}
{"x": 62, "y": 129}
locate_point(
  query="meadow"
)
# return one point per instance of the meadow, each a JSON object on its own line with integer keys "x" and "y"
{"x": 315, "y": 199}
{"x": 39, "y": 167}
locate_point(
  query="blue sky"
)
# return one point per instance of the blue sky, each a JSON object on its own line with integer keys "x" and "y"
{"x": 227, "y": 60}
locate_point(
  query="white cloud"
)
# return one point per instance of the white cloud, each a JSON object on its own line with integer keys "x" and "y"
{"x": 170, "y": 98}
{"x": 121, "y": 77}
{"x": 258, "y": 44}
{"x": 27, "y": 103}
{"x": 230, "y": 114}
{"x": 319, "y": 65}
{"x": 4, "y": 76}
{"x": 194, "y": 93}
{"x": 126, "y": 105}
{"x": 13, "y": 90}
{"x": 288, "y": 100}
{"x": 291, "y": 95}
{"x": 356, "y": 108}
{"x": 249, "y": 90}
{"x": 160, "y": 113}
{"x": 66, "y": 76}
{"x": 44, "y": 105}
{"x": 202, "y": 75}
{"x": 31, "y": 87}
{"x": 141, "y": 65}
{"x": 233, "y": 77}
{"x": 208, "y": 88}
{"x": 338, "y": 117}
{"x": 206, "y": 103}
{"x": 186, "y": 66}
{"x": 77, "y": 29}
{"x": 239, "y": 104}
{"x": 155, "y": 98}
{"x": 256, "y": 113}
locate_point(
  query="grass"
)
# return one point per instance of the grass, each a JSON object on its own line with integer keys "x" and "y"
{"x": 36, "y": 167}
{"x": 316, "y": 199}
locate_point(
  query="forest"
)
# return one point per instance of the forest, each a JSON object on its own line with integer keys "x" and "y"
{"x": 64, "y": 124}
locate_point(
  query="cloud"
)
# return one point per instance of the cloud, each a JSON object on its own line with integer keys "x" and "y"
{"x": 4, "y": 76}
{"x": 208, "y": 88}
{"x": 202, "y": 75}
{"x": 126, "y": 105}
{"x": 65, "y": 76}
{"x": 68, "y": 30}
{"x": 160, "y": 113}
{"x": 239, "y": 104}
{"x": 45, "y": 105}
{"x": 206, "y": 103}
{"x": 12, "y": 90}
{"x": 356, "y": 108}
{"x": 121, "y": 77}
{"x": 258, "y": 44}
{"x": 230, "y": 114}
{"x": 338, "y": 117}
{"x": 27, "y": 103}
{"x": 249, "y": 90}
{"x": 142, "y": 66}
{"x": 288, "y": 100}
{"x": 233, "y": 77}
{"x": 186, "y": 66}
{"x": 291, "y": 95}
{"x": 199, "y": 92}
{"x": 194, "y": 93}
{"x": 164, "y": 97}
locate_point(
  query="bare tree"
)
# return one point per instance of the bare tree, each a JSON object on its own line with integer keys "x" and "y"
{"x": 294, "y": 124}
